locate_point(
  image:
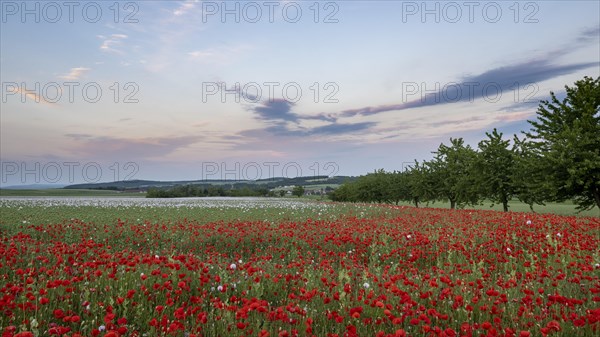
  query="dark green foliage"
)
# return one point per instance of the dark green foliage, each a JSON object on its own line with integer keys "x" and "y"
{"x": 182, "y": 191}
{"x": 495, "y": 169}
{"x": 298, "y": 191}
{"x": 531, "y": 184}
{"x": 566, "y": 144}
{"x": 450, "y": 172}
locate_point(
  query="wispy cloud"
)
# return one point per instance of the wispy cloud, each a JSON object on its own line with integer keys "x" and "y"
{"x": 88, "y": 146}
{"x": 501, "y": 79}
{"x": 528, "y": 105}
{"x": 471, "y": 88}
{"x": 79, "y": 136}
{"x": 219, "y": 55}
{"x": 340, "y": 128}
{"x": 111, "y": 43}
{"x": 589, "y": 34}
{"x": 332, "y": 129}
{"x": 185, "y": 7}
{"x": 75, "y": 73}
{"x": 515, "y": 116}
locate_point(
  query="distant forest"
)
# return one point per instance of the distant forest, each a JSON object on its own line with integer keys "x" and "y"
{"x": 261, "y": 188}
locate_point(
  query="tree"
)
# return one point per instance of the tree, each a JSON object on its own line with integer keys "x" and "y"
{"x": 373, "y": 187}
{"x": 531, "y": 184}
{"x": 420, "y": 184}
{"x": 451, "y": 173}
{"x": 347, "y": 192}
{"x": 398, "y": 187}
{"x": 298, "y": 191}
{"x": 495, "y": 169}
{"x": 566, "y": 140}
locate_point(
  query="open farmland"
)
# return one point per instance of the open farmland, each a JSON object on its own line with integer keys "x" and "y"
{"x": 271, "y": 267}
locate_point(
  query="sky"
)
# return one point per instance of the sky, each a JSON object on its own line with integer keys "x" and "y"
{"x": 177, "y": 90}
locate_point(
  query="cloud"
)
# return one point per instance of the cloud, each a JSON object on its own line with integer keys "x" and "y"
{"x": 74, "y": 74}
{"x": 276, "y": 109}
{"x": 199, "y": 54}
{"x": 281, "y": 110}
{"x": 79, "y": 136}
{"x": 111, "y": 148}
{"x": 515, "y": 116}
{"x": 219, "y": 55}
{"x": 527, "y": 73}
{"x": 332, "y": 129}
{"x": 283, "y": 122}
{"x": 185, "y": 7}
{"x": 532, "y": 104}
{"x": 110, "y": 43}
{"x": 340, "y": 128}
{"x": 485, "y": 85}
{"x": 588, "y": 34}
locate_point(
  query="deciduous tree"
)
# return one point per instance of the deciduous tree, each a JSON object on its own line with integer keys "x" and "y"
{"x": 566, "y": 140}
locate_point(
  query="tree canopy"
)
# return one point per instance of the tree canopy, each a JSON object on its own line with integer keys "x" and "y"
{"x": 566, "y": 141}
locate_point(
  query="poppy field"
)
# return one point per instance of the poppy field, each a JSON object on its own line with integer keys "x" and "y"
{"x": 190, "y": 267}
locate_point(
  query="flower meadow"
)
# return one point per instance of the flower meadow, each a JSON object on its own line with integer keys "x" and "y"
{"x": 291, "y": 268}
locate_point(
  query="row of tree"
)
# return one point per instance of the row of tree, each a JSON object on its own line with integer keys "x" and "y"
{"x": 232, "y": 190}
{"x": 558, "y": 159}
{"x": 189, "y": 190}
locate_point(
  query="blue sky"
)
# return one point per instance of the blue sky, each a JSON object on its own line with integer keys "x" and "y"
{"x": 209, "y": 90}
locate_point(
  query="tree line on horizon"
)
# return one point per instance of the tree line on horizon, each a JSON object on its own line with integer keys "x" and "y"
{"x": 190, "y": 190}
{"x": 236, "y": 189}
{"x": 558, "y": 159}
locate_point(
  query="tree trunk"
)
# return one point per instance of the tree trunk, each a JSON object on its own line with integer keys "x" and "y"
{"x": 505, "y": 203}
{"x": 452, "y": 203}
{"x": 416, "y": 202}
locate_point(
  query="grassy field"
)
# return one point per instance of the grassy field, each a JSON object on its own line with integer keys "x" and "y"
{"x": 169, "y": 210}
{"x": 564, "y": 208}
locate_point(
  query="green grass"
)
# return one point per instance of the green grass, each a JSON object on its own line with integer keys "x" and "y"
{"x": 59, "y": 192}
{"x": 563, "y": 208}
